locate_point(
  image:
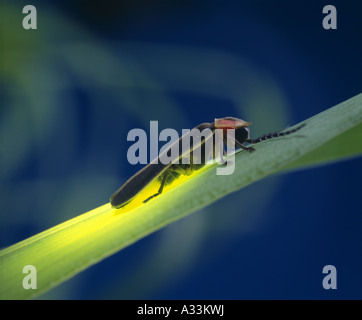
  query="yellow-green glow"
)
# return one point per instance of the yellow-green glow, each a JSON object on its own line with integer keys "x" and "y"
{"x": 152, "y": 189}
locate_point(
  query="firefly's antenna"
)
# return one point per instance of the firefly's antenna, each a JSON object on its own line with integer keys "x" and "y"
{"x": 271, "y": 135}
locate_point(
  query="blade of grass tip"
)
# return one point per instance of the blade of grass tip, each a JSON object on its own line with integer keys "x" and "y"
{"x": 345, "y": 146}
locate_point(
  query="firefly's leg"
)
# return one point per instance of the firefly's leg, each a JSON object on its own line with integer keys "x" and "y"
{"x": 163, "y": 182}
{"x": 239, "y": 144}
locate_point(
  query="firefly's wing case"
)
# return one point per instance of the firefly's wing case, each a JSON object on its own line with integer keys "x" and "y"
{"x": 152, "y": 171}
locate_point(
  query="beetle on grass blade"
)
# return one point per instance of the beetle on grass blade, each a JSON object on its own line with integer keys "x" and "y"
{"x": 197, "y": 154}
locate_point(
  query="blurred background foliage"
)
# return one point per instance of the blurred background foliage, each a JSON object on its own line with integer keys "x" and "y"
{"x": 72, "y": 89}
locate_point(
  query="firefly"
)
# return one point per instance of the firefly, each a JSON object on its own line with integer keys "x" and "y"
{"x": 197, "y": 154}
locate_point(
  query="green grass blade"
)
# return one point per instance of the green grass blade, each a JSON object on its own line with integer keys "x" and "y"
{"x": 346, "y": 145}
{"x": 64, "y": 250}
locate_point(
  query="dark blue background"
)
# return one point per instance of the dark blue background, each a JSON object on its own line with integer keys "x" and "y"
{"x": 184, "y": 63}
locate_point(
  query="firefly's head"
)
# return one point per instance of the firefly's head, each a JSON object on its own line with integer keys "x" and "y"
{"x": 241, "y": 127}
